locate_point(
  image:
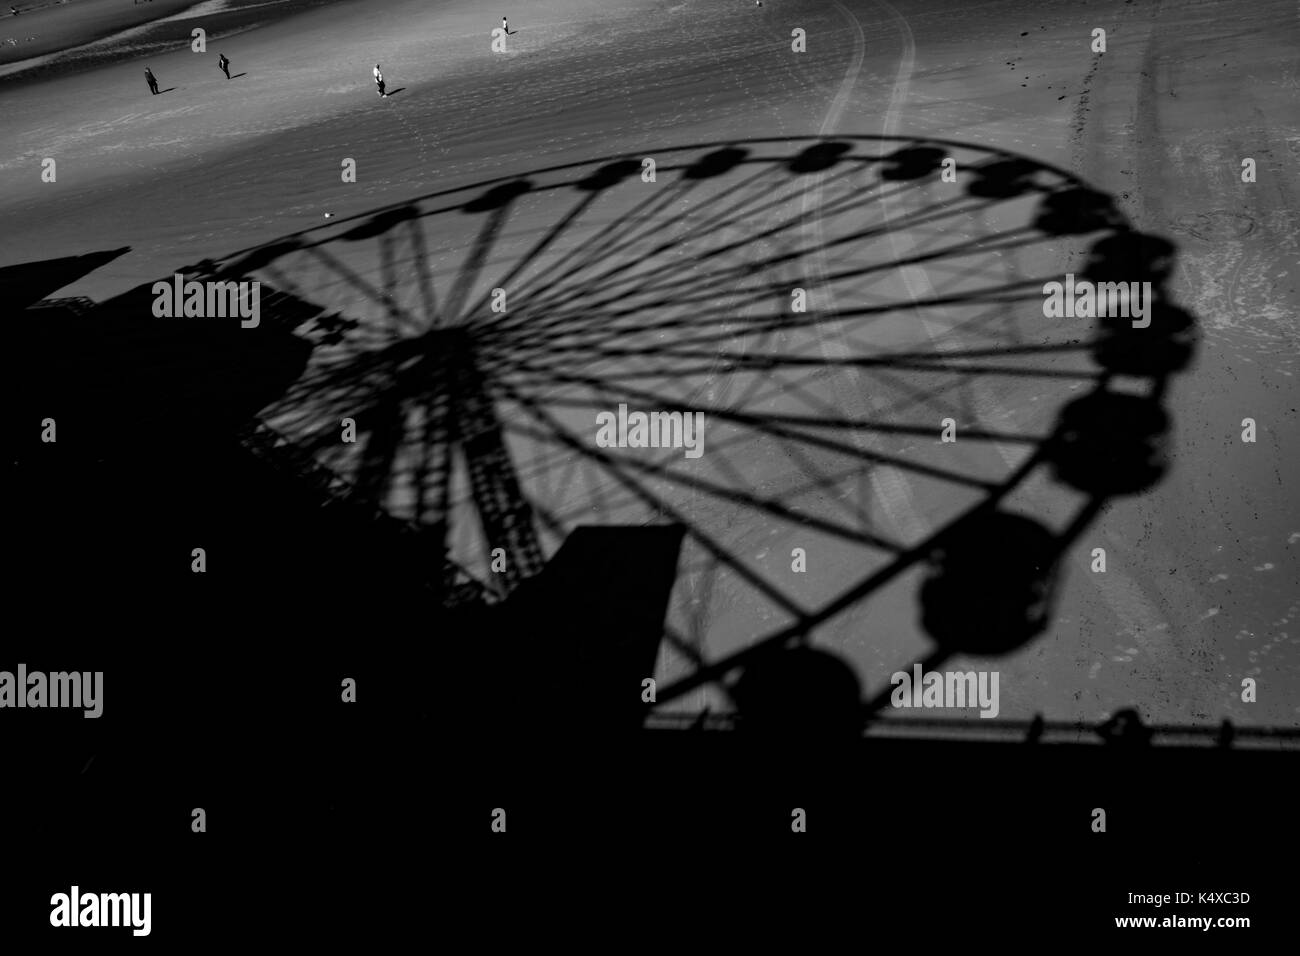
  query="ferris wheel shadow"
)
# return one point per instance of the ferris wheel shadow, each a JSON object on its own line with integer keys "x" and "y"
{"x": 423, "y": 366}
{"x": 371, "y": 329}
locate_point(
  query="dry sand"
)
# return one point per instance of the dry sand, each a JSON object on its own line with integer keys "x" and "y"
{"x": 1201, "y": 586}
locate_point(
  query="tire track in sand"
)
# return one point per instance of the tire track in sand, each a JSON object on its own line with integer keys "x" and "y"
{"x": 848, "y": 385}
{"x": 852, "y": 388}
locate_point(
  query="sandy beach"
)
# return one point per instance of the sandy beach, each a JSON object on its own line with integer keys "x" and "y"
{"x": 1200, "y": 591}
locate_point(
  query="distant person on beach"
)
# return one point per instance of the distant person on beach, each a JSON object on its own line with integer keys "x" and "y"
{"x": 505, "y": 27}
{"x": 379, "y": 81}
{"x": 223, "y": 64}
{"x": 151, "y": 80}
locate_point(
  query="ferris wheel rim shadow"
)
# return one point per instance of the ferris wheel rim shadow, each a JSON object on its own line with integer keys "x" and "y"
{"x": 1065, "y": 174}
{"x": 1067, "y": 450}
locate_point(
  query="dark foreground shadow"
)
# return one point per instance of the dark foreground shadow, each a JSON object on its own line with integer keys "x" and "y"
{"x": 25, "y": 283}
{"x": 589, "y": 623}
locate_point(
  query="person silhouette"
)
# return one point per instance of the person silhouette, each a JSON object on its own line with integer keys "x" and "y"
{"x": 505, "y": 27}
{"x": 379, "y": 80}
{"x": 151, "y": 80}
{"x": 223, "y": 64}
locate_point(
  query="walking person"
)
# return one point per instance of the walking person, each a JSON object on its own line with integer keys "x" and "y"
{"x": 379, "y": 81}
{"x": 505, "y": 26}
{"x": 223, "y": 64}
{"x": 151, "y": 80}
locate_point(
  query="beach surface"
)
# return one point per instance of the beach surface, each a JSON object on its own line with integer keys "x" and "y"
{"x": 1200, "y": 589}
